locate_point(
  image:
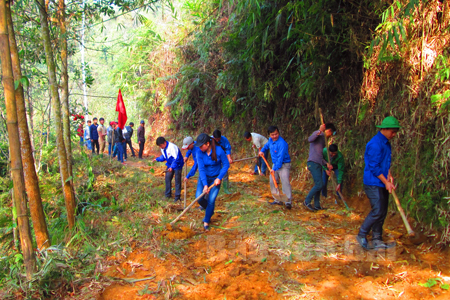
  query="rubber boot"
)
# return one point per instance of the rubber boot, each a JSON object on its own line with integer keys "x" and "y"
{"x": 225, "y": 187}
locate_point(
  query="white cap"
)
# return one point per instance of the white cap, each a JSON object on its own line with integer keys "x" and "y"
{"x": 186, "y": 142}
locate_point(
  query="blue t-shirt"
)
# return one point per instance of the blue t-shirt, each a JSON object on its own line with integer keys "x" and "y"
{"x": 279, "y": 150}
{"x": 209, "y": 168}
{"x": 377, "y": 158}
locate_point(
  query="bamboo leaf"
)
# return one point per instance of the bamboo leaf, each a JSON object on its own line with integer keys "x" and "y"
{"x": 397, "y": 39}
{"x": 289, "y": 31}
{"x": 391, "y": 40}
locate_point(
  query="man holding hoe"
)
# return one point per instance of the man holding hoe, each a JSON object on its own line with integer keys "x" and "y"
{"x": 378, "y": 183}
{"x": 279, "y": 150}
{"x": 174, "y": 162}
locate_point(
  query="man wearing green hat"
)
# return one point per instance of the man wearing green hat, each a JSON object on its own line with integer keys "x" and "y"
{"x": 378, "y": 183}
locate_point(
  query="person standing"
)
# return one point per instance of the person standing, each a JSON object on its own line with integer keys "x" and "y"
{"x": 337, "y": 161}
{"x": 109, "y": 134}
{"x": 93, "y": 133}
{"x": 226, "y": 146}
{"x": 119, "y": 141}
{"x": 141, "y": 138}
{"x": 279, "y": 150}
{"x": 258, "y": 142}
{"x": 101, "y": 129}
{"x": 87, "y": 136}
{"x": 190, "y": 146}
{"x": 315, "y": 163}
{"x": 213, "y": 164}
{"x": 174, "y": 162}
{"x": 128, "y": 135}
{"x": 378, "y": 183}
{"x": 80, "y": 132}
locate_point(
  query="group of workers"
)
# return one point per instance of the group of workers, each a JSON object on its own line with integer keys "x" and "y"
{"x": 212, "y": 158}
{"x": 95, "y": 136}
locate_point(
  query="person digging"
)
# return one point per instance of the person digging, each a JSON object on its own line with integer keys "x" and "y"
{"x": 337, "y": 161}
{"x": 279, "y": 150}
{"x": 378, "y": 183}
{"x": 258, "y": 141}
{"x": 213, "y": 164}
{"x": 315, "y": 163}
{"x": 171, "y": 154}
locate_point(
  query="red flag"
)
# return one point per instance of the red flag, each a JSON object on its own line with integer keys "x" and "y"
{"x": 120, "y": 107}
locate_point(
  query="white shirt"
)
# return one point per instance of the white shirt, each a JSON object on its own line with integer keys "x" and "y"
{"x": 258, "y": 140}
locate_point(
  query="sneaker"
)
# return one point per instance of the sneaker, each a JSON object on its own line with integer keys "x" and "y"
{"x": 124, "y": 160}
{"x": 318, "y": 207}
{"x": 275, "y": 202}
{"x": 177, "y": 200}
{"x": 363, "y": 242}
{"x": 201, "y": 208}
{"x": 288, "y": 206}
{"x": 309, "y": 206}
{"x": 379, "y": 244}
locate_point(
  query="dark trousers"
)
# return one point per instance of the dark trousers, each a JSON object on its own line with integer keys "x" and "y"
{"x": 95, "y": 143}
{"x": 131, "y": 147}
{"x": 124, "y": 147}
{"x": 169, "y": 177}
{"x": 379, "y": 200}
{"x": 316, "y": 172}
{"x": 141, "y": 148}
{"x": 261, "y": 164}
{"x": 325, "y": 183}
{"x": 119, "y": 148}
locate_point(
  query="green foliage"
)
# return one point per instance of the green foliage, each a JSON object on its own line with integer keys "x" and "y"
{"x": 442, "y": 100}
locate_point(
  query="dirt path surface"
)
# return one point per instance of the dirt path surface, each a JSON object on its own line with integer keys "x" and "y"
{"x": 259, "y": 251}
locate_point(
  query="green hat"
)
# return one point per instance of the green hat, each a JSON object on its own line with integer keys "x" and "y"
{"x": 389, "y": 122}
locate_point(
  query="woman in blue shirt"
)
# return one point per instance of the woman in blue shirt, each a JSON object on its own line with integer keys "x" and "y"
{"x": 212, "y": 164}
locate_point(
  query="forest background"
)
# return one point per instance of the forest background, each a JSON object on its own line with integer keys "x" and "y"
{"x": 193, "y": 66}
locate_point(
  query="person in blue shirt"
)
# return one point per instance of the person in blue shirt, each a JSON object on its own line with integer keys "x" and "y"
{"x": 174, "y": 162}
{"x": 315, "y": 163}
{"x": 213, "y": 164}
{"x": 226, "y": 146}
{"x": 378, "y": 183}
{"x": 190, "y": 146}
{"x": 93, "y": 134}
{"x": 279, "y": 150}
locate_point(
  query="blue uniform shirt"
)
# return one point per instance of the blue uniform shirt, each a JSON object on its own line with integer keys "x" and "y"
{"x": 209, "y": 168}
{"x": 225, "y": 144}
{"x": 172, "y": 155}
{"x": 377, "y": 159}
{"x": 279, "y": 150}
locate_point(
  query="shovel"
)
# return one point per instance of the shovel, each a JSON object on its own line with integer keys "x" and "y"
{"x": 190, "y": 205}
{"x": 278, "y": 196}
{"x": 415, "y": 237}
{"x": 258, "y": 164}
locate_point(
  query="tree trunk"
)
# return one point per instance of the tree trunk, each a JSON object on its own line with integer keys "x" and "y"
{"x": 29, "y": 171}
{"x": 30, "y": 112}
{"x": 65, "y": 85}
{"x": 56, "y": 104}
{"x": 20, "y": 198}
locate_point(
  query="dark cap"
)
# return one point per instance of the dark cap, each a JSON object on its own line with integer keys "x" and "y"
{"x": 202, "y": 139}
{"x": 131, "y": 124}
{"x": 142, "y": 122}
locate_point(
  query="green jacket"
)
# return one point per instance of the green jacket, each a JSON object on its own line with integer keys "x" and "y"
{"x": 337, "y": 162}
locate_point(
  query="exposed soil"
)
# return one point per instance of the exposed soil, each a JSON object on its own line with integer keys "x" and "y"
{"x": 230, "y": 263}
